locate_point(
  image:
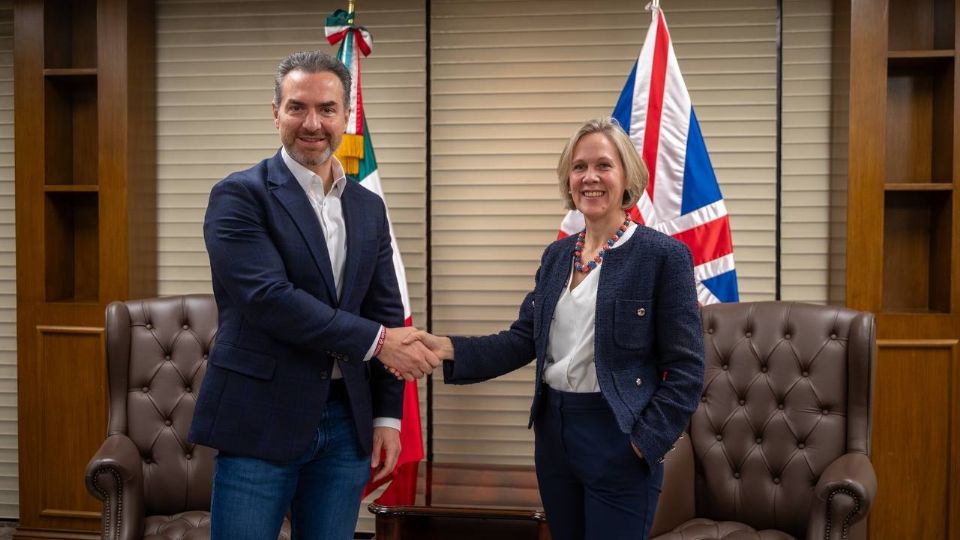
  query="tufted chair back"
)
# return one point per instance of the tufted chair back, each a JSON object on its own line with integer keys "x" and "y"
{"x": 157, "y": 356}
{"x": 787, "y": 394}
{"x": 154, "y": 484}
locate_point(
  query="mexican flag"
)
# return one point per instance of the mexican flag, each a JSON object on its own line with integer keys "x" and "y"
{"x": 360, "y": 164}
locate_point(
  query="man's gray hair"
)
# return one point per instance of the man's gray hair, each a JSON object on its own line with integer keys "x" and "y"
{"x": 312, "y": 62}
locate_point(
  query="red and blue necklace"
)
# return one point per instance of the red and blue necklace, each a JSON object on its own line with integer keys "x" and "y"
{"x": 585, "y": 267}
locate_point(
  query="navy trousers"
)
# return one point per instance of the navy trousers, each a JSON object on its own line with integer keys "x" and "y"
{"x": 593, "y": 485}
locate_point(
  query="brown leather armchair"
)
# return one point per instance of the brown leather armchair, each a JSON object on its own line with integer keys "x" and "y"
{"x": 152, "y": 481}
{"x": 779, "y": 446}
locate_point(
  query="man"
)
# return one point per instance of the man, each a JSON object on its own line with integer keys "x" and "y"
{"x": 296, "y": 395}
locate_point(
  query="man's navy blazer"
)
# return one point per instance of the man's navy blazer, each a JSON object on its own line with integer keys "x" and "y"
{"x": 281, "y": 325}
{"x": 648, "y": 346}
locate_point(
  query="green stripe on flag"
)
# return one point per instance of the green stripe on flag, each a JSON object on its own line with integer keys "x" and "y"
{"x": 369, "y": 162}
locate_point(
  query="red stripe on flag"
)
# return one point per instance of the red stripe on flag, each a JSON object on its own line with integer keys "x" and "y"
{"x": 658, "y": 77}
{"x": 360, "y": 112}
{"x": 708, "y": 241}
{"x": 402, "y": 491}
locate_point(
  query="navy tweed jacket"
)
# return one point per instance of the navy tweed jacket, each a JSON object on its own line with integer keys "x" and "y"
{"x": 648, "y": 344}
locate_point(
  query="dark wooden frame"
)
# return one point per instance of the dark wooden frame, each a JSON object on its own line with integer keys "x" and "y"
{"x": 85, "y": 233}
{"x": 903, "y": 246}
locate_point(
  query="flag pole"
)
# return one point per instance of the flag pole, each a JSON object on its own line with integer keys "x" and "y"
{"x": 350, "y": 8}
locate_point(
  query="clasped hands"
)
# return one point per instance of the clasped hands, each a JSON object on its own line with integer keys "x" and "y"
{"x": 409, "y": 353}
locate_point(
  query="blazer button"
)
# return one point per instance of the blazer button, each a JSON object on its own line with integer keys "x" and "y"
{"x": 639, "y": 381}
{"x": 641, "y": 312}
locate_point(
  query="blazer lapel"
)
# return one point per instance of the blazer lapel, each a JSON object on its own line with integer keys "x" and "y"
{"x": 356, "y": 232}
{"x": 555, "y": 282}
{"x": 287, "y": 190}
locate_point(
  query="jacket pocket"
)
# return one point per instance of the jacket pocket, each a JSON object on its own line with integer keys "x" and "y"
{"x": 635, "y": 386}
{"x": 244, "y": 361}
{"x": 633, "y": 324}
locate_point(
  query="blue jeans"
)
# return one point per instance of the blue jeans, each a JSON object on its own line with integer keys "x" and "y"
{"x": 321, "y": 489}
{"x": 592, "y": 484}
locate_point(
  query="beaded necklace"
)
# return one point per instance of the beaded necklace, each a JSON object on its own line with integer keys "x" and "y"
{"x": 585, "y": 267}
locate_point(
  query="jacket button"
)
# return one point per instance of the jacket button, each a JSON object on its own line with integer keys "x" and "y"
{"x": 641, "y": 312}
{"x": 639, "y": 381}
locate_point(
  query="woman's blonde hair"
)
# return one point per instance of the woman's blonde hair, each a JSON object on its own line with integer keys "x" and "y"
{"x": 635, "y": 172}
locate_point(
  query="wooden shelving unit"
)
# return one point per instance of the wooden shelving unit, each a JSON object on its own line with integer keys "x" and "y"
{"x": 86, "y": 233}
{"x": 903, "y": 249}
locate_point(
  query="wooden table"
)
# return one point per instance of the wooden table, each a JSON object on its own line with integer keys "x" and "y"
{"x": 461, "y": 501}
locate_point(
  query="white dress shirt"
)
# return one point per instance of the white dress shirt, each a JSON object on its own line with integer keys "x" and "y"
{"x": 329, "y": 211}
{"x": 570, "y": 365}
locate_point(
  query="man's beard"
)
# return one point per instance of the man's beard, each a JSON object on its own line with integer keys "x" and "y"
{"x": 306, "y": 161}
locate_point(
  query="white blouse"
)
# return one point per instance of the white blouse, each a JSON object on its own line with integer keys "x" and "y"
{"x": 569, "y": 363}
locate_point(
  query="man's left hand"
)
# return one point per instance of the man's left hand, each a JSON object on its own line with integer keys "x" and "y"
{"x": 386, "y": 440}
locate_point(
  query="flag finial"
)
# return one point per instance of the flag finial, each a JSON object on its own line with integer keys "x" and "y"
{"x": 350, "y": 10}
{"x": 653, "y": 5}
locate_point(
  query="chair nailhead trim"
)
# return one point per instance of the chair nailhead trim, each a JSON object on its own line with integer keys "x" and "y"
{"x": 845, "y": 529}
{"x": 105, "y": 497}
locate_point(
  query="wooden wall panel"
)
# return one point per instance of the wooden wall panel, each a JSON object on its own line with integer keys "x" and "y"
{"x": 71, "y": 419}
{"x": 914, "y": 420}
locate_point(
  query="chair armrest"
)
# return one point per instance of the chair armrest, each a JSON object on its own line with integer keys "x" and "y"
{"x": 115, "y": 476}
{"x": 845, "y": 494}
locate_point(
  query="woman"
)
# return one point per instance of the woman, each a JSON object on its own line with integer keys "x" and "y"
{"x": 614, "y": 326}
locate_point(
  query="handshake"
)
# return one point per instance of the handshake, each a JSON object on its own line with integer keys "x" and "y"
{"x": 410, "y": 354}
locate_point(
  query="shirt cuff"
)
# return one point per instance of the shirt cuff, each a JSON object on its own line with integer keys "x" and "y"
{"x": 377, "y": 342}
{"x": 384, "y": 421}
